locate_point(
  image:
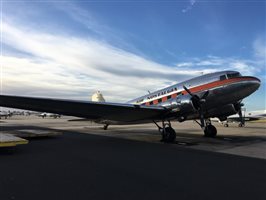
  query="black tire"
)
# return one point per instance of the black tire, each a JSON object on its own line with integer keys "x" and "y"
{"x": 226, "y": 125}
{"x": 169, "y": 135}
{"x": 210, "y": 131}
{"x": 241, "y": 125}
{"x": 105, "y": 127}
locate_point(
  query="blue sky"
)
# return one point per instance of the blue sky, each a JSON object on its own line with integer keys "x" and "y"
{"x": 70, "y": 49}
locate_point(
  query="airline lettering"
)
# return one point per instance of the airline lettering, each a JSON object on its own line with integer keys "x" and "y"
{"x": 139, "y": 101}
{"x": 162, "y": 93}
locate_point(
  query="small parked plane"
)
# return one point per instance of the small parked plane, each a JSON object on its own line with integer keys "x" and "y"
{"x": 4, "y": 114}
{"x": 217, "y": 94}
{"x": 45, "y": 114}
{"x": 247, "y": 116}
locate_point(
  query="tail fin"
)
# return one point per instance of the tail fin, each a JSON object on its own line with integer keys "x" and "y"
{"x": 98, "y": 97}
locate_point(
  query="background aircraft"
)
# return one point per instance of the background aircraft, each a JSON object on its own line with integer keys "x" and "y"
{"x": 5, "y": 114}
{"x": 45, "y": 114}
{"x": 211, "y": 95}
{"x": 247, "y": 116}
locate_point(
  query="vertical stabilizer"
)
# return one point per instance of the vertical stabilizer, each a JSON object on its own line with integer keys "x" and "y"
{"x": 98, "y": 97}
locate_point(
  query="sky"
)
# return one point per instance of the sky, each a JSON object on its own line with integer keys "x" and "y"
{"x": 71, "y": 49}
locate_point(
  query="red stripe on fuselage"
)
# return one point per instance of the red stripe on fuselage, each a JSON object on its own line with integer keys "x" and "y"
{"x": 164, "y": 99}
{"x": 219, "y": 83}
{"x": 206, "y": 87}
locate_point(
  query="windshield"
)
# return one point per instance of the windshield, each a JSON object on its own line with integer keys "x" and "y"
{"x": 233, "y": 75}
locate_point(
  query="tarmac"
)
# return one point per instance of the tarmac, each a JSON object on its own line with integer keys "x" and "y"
{"x": 77, "y": 159}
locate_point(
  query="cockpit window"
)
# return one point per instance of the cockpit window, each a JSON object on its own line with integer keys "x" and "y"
{"x": 223, "y": 77}
{"x": 233, "y": 75}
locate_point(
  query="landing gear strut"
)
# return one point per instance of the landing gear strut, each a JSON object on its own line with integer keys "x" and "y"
{"x": 168, "y": 133}
{"x": 208, "y": 128}
{"x": 238, "y": 107}
{"x": 242, "y": 120}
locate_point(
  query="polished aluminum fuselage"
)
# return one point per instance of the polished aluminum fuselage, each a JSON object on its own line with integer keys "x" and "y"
{"x": 222, "y": 94}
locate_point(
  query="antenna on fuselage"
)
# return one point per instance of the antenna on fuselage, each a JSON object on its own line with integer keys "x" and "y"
{"x": 149, "y": 91}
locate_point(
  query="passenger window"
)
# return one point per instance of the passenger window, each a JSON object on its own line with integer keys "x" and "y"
{"x": 223, "y": 77}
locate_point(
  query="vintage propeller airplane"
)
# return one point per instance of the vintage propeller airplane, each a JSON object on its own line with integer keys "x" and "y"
{"x": 217, "y": 94}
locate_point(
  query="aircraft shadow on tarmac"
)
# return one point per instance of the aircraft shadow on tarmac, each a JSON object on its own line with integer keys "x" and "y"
{"x": 184, "y": 137}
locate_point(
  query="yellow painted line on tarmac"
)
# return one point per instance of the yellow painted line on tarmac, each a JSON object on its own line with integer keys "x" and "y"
{"x": 9, "y": 140}
{"x": 13, "y": 143}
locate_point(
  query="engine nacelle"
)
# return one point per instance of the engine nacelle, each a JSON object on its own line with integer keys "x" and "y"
{"x": 183, "y": 105}
{"x": 222, "y": 111}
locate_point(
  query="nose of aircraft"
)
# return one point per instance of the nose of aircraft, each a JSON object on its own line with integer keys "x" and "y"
{"x": 251, "y": 84}
{"x": 255, "y": 83}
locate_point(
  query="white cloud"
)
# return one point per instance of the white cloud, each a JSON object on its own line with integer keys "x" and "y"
{"x": 190, "y": 6}
{"x": 214, "y": 63}
{"x": 259, "y": 46}
{"x": 259, "y": 49}
{"x": 75, "y": 67}
{"x": 82, "y": 16}
{"x": 79, "y": 66}
{"x": 243, "y": 67}
{"x": 185, "y": 64}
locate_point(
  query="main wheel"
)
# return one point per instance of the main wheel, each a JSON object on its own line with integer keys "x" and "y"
{"x": 105, "y": 126}
{"x": 210, "y": 131}
{"x": 169, "y": 135}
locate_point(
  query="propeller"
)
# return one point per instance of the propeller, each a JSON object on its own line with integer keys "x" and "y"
{"x": 204, "y": 96}
{"x": 188, "y": 91}
{"x": 197, "y": 102}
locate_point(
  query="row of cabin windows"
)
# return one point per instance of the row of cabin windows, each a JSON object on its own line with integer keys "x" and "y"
{"x": 163, "y": 99}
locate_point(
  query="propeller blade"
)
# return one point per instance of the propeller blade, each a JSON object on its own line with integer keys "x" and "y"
{"x": 205, "y": 95}
{"x": 188, "y": 91}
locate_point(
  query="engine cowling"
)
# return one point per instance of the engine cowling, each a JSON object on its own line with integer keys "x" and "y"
{"x": 222, "y": 111}
{"x": 184, "y": 105}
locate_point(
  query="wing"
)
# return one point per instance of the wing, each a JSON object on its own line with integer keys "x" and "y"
{"x": 86, "y": 109}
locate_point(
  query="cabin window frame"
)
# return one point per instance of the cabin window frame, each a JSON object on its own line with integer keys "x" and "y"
{"x": 223, "y": 77}
{"x": 233, "y": 75}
